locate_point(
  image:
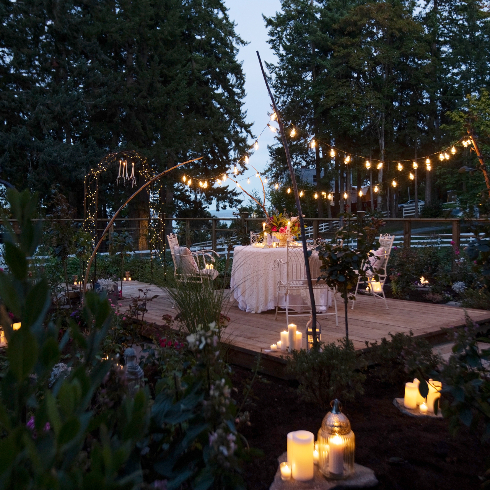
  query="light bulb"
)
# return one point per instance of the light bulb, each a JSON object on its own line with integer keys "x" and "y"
{"x": 347, "y": 159}
{"x": 312, "y": 144}
{"x": 206, "y": 184}
{"x": 427, "y": 161}
{"x": 224, "y": 177}
{"x": 368, "y": 164}
{"x": 380, "y": 165}
{"x": 219, "y": 181}
{"x": 265, "y": 180}
{"x": 301, "y": 194}
{"x": 376, "y": 188}
{"x": 235, "y": 170}
{"x": 446, "y": 156}
{"x": 273, "y": 116}
{"x": 289, "y": 190}
{"x": 412, "y": 177}
{"x": 276, "y": 186}
{"x": 332, "y": 152}
{"x": 189, "y": 182}
{"x": 345, "y": 195}
{"x": 293, "y": 133}
{"x": 400, "y": 166}
{"x": 441, "y": 157}
{"x": 316, "y": 195}
{"x": 248, "y": 180}
{"x": 272, "y": 128}
{"x": 246, "y": 159}
{"x": 429, "y": 167}
{"x": 330, "y": 197}
{"x": 256, "y": 145}
{"x": 257, "y": 174}
{"x": 394, "y": 184}
{"x": 453, "y": 150}
{"x": 360, "y": 193}
{"x": 184, "y": 178}
{"x": 237, "y": 184}
{"x": 200, "y": 184}
{"x": 415, "y": 165}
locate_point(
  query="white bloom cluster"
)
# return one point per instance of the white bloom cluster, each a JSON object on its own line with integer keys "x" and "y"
{"x": 459, "y": 287}
{"x": 107, "y": 285}
{"x": 223, "y": 444}
{"x": 197, "y": 341}
{"x": 59, "y": 370}
{"x": 219, "y": 397}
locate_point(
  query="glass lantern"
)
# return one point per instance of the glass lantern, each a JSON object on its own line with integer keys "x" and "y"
{"x": 336, "y": 444}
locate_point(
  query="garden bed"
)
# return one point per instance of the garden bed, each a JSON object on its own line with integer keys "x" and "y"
{"x": 405, "y": 452}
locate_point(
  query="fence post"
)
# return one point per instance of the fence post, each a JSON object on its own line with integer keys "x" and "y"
{"x": 456, "y": 232}
{"x": 407, "y": 233}
{"x": 316, "y": 225}
{"x": 360, "y": 224}
{"x": 213, "y": 234}
{"x": 187, "y": 232}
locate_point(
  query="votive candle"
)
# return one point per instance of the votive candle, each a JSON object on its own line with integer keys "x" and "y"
{"x": 423, "y": 408}
{"x": 292, "y": 336}
{"x": 279, "y": 345}
{"x": 273, "y": 347}
{"x": 285, "y": 471}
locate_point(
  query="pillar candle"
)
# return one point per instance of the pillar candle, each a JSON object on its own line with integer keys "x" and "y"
{"x": 263, "y": 226}
{"x": 336, "y": 455}
{"x": 284, "y": 340}
{"x": 290, "y": 447}
{"x": 410, "y": 400}
{"x": 302, "y": 455}
{"x": 273, "y": 347}
{"x": 298, "y": 343}
{"x": 420, "y": 398}
{"x": 434, "y": 394}
{"x": 292, "y": 336}
{"x": 279, "y": 345}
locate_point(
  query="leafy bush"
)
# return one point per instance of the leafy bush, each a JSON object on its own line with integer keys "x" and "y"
{"x": 327, "y": 372}
{"x": 476, "y": 298}
{"x": 400, "y": 358}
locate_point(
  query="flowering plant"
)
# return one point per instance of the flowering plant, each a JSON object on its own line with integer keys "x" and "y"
{"x": 278, "y": 223}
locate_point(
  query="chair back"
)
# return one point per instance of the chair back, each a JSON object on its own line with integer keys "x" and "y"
{"x": 256, "y": 238}
{"x": 386, "y": 243}
{"x": 173, "y": 242}
{"x": 295, "y": 263}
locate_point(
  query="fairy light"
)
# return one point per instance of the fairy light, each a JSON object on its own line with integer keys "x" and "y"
{"x": 248, "y": 180}
{"x": 415, "y": 165}
{"x": 347, "y": 159}
{"x": 428, "y": 166}
{"x": 360, "y": 193}
{"x": 184, "y": 178}
{"x": 235, "y": 170}
{"x": 453, "y": 150}
{"x": 316, "y": 195}
{"x": 394, "y": 184}
{"x": 427, "y": 161}
{"x": 293, "y": 133}
{"x": 368, "y": 164}
{"x": 345, "y": 195}
{"x": 289, "y": 190}
{"x": 273, "y": 116}
{"x": 441, "y": 157}
{"x": 330, "y": 197}
{"x": 224, "y": 177}
{"x": 446, "y": 156}
{"x": 276, "y": 186}
{"x": 200, "y": 184}
{"x": 246, "y": 158}
{"x": 189, "y": 182}
{"x": 412, "y": 177}
{"x": 376, "y": 188}
{"x": 205, "y": 184}
{"x": 312, "y": 144}
{"x": 379, "y": 166}
{"x": 332, "y": 153}
{"x": 272, "y": 128}
{"x": 256, "y": 145}
{"x": 301, "y": 194}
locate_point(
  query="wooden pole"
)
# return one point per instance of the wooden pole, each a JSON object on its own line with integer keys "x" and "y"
{"x": 480, "y": 159}
{"x": 298, "y": 205}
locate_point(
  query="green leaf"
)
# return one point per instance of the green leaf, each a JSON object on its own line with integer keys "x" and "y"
{"x": 22, "y": 353}
{"x": 69, "y": 431}
{"x": 16, "y": 261}
{"x": 37, "y": 304}
{"x": 423, "y": 388}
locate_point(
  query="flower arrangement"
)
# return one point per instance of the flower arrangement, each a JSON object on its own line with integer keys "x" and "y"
{"x": 282, "y": 224}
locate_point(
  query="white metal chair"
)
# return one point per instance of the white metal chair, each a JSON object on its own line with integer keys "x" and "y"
{"x": 191, "y": 266}
{"x": 294, "y": 285}
{"x": 380, "y": 265}
{"x": 256, "y": 238}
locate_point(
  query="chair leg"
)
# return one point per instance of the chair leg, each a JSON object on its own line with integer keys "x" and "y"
{"x": 355, "y": 295}
{"x": 335, "y": 305}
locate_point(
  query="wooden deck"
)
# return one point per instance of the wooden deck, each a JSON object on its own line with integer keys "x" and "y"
{"x": 369, "y": 321}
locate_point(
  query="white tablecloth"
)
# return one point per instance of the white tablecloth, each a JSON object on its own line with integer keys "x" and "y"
{"x": 254, "y": 279}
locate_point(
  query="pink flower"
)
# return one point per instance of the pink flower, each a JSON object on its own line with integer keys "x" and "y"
{"x": 124, "y": 318}
{"x": 452, "y": 242}
{"x": 274, "y": 228}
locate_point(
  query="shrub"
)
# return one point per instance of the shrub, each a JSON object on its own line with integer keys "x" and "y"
{"x": 400, "y": 358}
{"x": 327, "y": 372}
{"x": 476, "y": 298}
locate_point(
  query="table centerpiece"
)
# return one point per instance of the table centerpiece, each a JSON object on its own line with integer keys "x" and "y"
{"x": 282, "y": 227}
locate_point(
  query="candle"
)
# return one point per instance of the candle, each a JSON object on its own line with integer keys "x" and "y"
{"x": 279, "y": 345}
{"x": 124, "y": 279}
{"x": 16, "y": 326}
{"x": 336, "y": 455}
{"x": 410, "y": 400}
{"x": 298, "y": 343}
{"x": 423, "y": 408}
{"x": 291, "y": 336}
{"x": 263, "y": 226}
{"x": 316, "y": 456}
{"x": 302, "y": 455}
{"x": 273, "y": 347}
{"x": 284, "y": 340}
{"x": 285, "y": 471}
{"x": 290, "y": 447}
{"x": 420, "y": 398}
{"x": 434, "y": 393}
{"x": 289, "y": 226}
{"x": 376, "y": 287}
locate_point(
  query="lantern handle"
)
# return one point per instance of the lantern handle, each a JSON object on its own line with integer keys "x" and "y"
{"x": 336, "y": 406}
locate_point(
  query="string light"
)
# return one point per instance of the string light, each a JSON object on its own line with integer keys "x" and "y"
{"x": 312, "y": 144}
{"x": 289, "y": 190}
{"x": 235, "y": 170}
{"x": 332, "y": 153}
{"x": 248, "y": 180}
{"x": 376, "y": 188}
{"x": 345, "y": 195}
{"x": 224, "y": 177}
{"x": 347, "y": 159}
{"x": 276, "y": 186}
{"x": 330, "y": 197}
{"x": 265, "y": 180}
{"x": 237, "y": 184}
{"x": 257, "y": 174}
{"x": 400, "y": 166}
{"x": 412, "y": 177}
{"x": 256, "y": 145}
{"x": 293, "y": 133}
{"x": 273, "y": 116}
{"x": 427, "y": 161}
{"x": 415, "y": 165}
{"x": 441, "y": 157}
{"x": 453, "y": 150}
{"x": 184, "y": 178}
{"x": 446, "y": 156}
{"x": 272, "y": 128}
{"x": 360, "y": 193}
{"x": 301, "y": 194}
{"x": 246, "y": 158}
{"x": 394, "y": 184}
{"x": 379, "y": 166}
{"x": 219, "y": 181}
{"x": 368, "y": 164}
{"x": 316, "y": 195}
{"x": 428, "y": 166}
{"x": 189, "y": 182}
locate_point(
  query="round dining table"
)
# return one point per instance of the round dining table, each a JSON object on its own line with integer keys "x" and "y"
{"x": 256, "y": 273}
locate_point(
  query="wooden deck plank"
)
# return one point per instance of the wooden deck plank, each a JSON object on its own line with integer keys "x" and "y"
{"x": 369, "y": 321}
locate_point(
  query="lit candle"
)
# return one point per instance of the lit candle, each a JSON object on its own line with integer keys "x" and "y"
{"x": 420, "y": 398}
{"x": 423, "y": 408}
{"x": 336, "y": 455}
{"x": 376, "y": 286}
{"x": 273, "y": 347}
{"x": 129, "y": 279}
{"x": 315, "y": 454}
{"x": 410, "y": 400}
{"x": 16, "y": 326}
{"x": 263, "y": 226}
{"x": 289, "y": 226}
{"x": 290, "y": 448}
{"x": 434, "y": 393}
{"x": 291, "y": 336}
{"x": 124, "y": 279}
{"x": 298, "y": 343}
{"x": 279, "y": 345}
{"x": 284, "y": 340}
{"x": 302, "y": 455}
{"x": 285, "y": 471}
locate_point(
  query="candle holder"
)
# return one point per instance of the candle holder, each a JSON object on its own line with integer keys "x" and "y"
{"x": 336, "y": 444}
{"x": 285, "y": 471}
